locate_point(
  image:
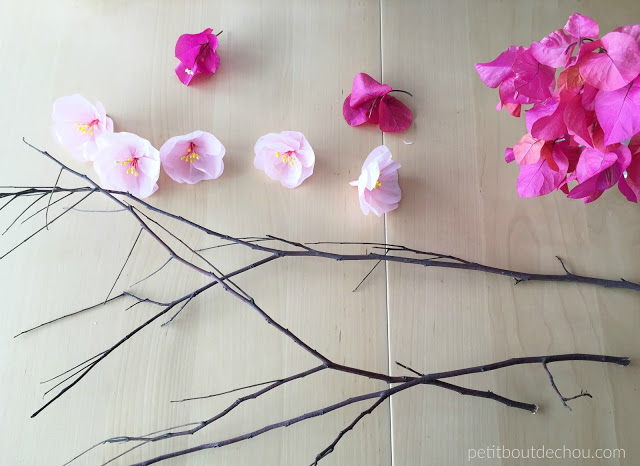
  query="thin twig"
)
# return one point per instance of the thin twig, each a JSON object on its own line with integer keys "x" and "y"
{"x": 125, "y": 264}
{"x": 69, "y": 315}
{"x": 560, "y": 395}
{"x": 46, "y": 212}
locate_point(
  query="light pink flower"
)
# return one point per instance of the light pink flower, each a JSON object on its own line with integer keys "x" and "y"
{"x": 79, "y": 125}
{"x": 193, "y": 157}
{"x": 128, "y": 163}
{"x": 197, "y": 54}
{"x": 286, "y": 157}
{"x": 378, "y": 188}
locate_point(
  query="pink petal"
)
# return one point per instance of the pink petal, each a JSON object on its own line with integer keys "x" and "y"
{"x": 188, "y": 45}
{"x": 634, "y": 144}
{"x": 533, "y": 79}
{"x": 513, "y": 109}
{"x": 508, "y": 155}
{"x": 185, "y": 73}
{"x": 619, "y": 112}
{"x": 586, "y": 191}
{"x": 626, "y": 190}
{"x": 394, "y": 115}
{"x": 509, "y": 94}
{"x": 581, "y": 26}
{"x": 355, "y": 116}
{"x": 630, "y": 182}
{"x": 592, "y": 162}
{"x": 554, "y": 50}
{"x": 576, "y": 120}
{"x": 615, "y": 68}
{"x": 493, "y": 73}
{"x": 540, "y": 110}
{"x": 633, "y": 30}
{"x": 527, "y": 150}
{"x": 539, "y": 179}
{"x": 366, "y": 89}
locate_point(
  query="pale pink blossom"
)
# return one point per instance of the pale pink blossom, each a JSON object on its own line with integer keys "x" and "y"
{"x": 128, "y": 163}
{"x": 286, "y": 157}
{"x": 193, "y": 157}
{"x": 79, "y": 125}
{"x": 378, "y": 188}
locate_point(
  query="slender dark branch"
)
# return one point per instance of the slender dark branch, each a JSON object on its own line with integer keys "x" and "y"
{"x": 426, "y": 379}
{"x": 69, "y": 315}
{"x": 152, "y": 273}
{"x": 23, "y": 212}
{"x": 178, "y": 312}
{"x": 46, "y": 212}
{"x": 367, "y": 275}
{"x": 327, "y": 451}
{"x": 125, "y": 263}
{"x": 477, "y": 393}
{"x": 54, "y": 202}
{"x": 40, "y": 229}
{"x": 74, "y": 367}
{"x": 259, "y": 384}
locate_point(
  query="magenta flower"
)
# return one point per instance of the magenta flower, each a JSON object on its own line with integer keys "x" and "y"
{"x": 197, "y": 54}
{"x": 193, "y": 157}
{"x": 79, "y": 125}
{"x": 286, "y": 157}
{"x": 128, "y": 163}
{"x": 370, "y": 102}
{"x": 378, "y": 188}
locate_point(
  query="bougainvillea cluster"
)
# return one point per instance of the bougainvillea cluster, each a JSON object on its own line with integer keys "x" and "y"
{"x": 583, "y": 126}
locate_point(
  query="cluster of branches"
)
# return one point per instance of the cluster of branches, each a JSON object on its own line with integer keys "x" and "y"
{"x": 273, "y": 248}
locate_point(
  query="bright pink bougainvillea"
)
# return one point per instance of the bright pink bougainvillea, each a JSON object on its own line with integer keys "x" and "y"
{"x": 577, "y": 125}
{"x": 197, "y": 54}
{"x": 370, "y": 102}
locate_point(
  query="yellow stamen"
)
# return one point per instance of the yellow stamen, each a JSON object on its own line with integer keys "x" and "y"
{"x": 132, "y": 168}
{"x": 378, "y": 184}
{"x": 191, "y": 156}
{"x": 286, "y": 158}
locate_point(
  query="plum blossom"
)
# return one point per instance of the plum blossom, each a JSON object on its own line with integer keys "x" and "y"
{"x": 378, "y": 188}
{"x": 79, "y": 125}
{"x": 197, "y": 54}
{"x": 286, "y": 157}
{"x": 128, "y": 163}
{"x": 193, "y": 157}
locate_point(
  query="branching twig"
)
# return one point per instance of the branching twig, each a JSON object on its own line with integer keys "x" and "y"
{"x": 269, "y": 245}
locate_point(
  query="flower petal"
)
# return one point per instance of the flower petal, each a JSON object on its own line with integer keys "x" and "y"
{"x": 394, "y": 115}
{"x": 365, "y": 89}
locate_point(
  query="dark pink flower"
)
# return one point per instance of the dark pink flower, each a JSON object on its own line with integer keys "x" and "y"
{"x": 197, "y": 54}
{"x": 369, "y": 102}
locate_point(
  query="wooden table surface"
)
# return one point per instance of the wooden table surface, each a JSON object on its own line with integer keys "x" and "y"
{"x": 288, "y": 66}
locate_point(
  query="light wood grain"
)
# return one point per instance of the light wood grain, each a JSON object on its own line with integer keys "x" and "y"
{"x": 289, "y": 65}
{"x": 284, "y": 66}
{"x": 460, "y": 198}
